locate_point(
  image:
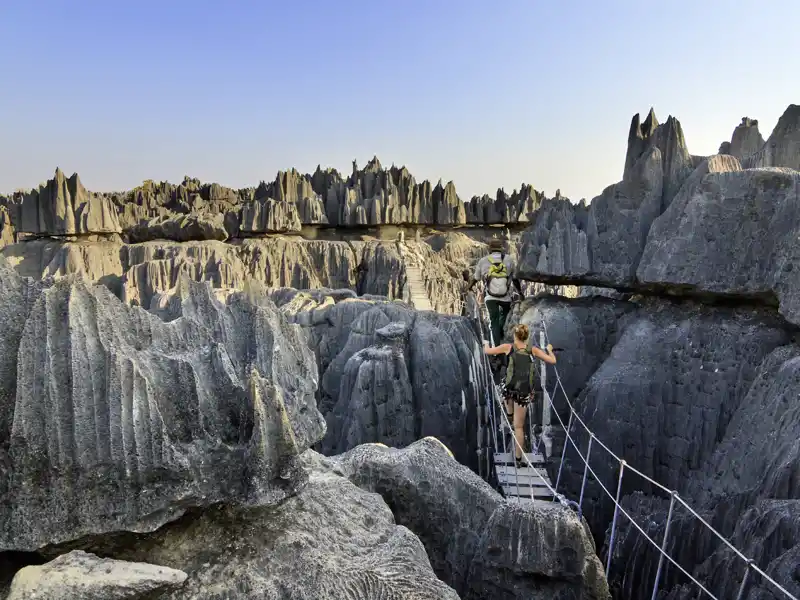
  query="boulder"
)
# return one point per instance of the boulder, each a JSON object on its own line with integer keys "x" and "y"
{"x": 330, "y": 540}
{"x": 732, "y": 234}
{"x": 466, "y": 526}
{"x": 123, "y": 422}
{"x": 180, "y": 228}
{"x": 82, "y": 576}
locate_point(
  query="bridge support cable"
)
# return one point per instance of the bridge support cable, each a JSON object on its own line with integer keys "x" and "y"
{"x": 675, "y": 500}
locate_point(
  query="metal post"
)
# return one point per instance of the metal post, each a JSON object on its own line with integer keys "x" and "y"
{"x": 563, "y": 454}
{"x": 742, "y": 587}
{"x": 614, "y": 521}
{"x": 585, "y": 473}
{"x": 543, "y": 375}
{"x": 513, "y": 455}
{"x": 664, "y": 546}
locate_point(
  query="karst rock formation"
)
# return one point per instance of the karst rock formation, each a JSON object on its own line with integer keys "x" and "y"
{"x": 209, "y": 392}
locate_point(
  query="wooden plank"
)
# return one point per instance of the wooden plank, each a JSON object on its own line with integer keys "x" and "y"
{"x": 504, "y": 458}
{"x": 523, "y": 478}
{"x": 511, "y": 479}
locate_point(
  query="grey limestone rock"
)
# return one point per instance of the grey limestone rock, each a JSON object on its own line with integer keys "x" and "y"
{"x": 699, "y": 398}
{"x": 330, "y": 540}
{"x": 746, "y": 139}
{"x": 734, "y": 235}
{"x": 164, "y": 200}
{"x": 602, "y": 243}
{"x": 269, "y": 216}
{"x": 747, "y": 489}
{"x": 782, "y": 149}
{"x": 672, "y": 381}
{"x": 82, "y": 576}
{"x": 518, "y": 207}
{"x": 466, "y": 526}
{"x": 389, "y": 374}
{"x": 63, "y": 207}
{"x": 121, "y": 421}
{"x": 180, "y": 228}
{"x": 676, "y": 162}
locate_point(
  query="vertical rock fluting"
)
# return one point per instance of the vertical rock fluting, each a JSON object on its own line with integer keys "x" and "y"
{"x": 391, "y": 375}
{"x": 700, "y": 399}
{"x": 63, "y": 207}
{"x": 782, "y": 149}
{"x": 122, "y": 421}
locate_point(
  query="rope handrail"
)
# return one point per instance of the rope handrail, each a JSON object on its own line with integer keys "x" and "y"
{"x": 497, "y": 403}
{"x": 624, "y": 466}
{"x": 675, "y": 497}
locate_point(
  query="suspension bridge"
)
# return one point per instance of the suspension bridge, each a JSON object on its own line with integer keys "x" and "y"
{"x": 531, "y": 482}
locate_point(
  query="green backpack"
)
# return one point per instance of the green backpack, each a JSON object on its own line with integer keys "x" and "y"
{"x": 521, "y": 372}
{"x": 497, "y": 277}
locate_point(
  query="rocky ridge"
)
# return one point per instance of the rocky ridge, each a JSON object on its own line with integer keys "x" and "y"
{"x": 192, "y": 210}
{"x": 694, "y": 381}
{"x": 681, "y": 224}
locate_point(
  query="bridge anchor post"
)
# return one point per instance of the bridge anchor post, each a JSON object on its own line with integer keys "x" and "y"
{"x": 616, "y": 516}
{"x": 664, "y": 546}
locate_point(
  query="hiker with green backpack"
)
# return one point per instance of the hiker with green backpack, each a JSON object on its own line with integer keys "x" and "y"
{"x": 522, "y": 382}
{"x": 495, "y": 270}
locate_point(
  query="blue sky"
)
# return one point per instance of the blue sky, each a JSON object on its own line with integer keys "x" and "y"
{"x": 488, "y": 94}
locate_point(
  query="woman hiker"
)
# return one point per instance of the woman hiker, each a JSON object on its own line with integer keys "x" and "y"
{"x": 522, "y": 379}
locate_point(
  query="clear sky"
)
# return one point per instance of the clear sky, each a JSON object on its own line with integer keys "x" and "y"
{"x": 488, "y": 93}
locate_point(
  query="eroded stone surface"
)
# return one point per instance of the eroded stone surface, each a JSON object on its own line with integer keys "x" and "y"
{"x": 734, "y": 235}
{"x": 82, "y": 576}
{"x": 481, "y": 545}
{"x": 700, "y": 399}
{"x": 330, "y": 540}
{"x": 63, "y": 207}
{"x": 122, "y": 421}
{"x": 389, "y": 374}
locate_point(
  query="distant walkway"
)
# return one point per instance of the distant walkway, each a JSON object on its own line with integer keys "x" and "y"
{"x": 416, "y": 292}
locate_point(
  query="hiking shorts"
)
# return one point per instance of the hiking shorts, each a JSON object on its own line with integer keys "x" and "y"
{"x": 524, "y": 399}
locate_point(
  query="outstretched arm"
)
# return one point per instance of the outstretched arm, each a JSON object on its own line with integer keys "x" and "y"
{"x": 501, "y": 349}
{"x": 548, "y": 357}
